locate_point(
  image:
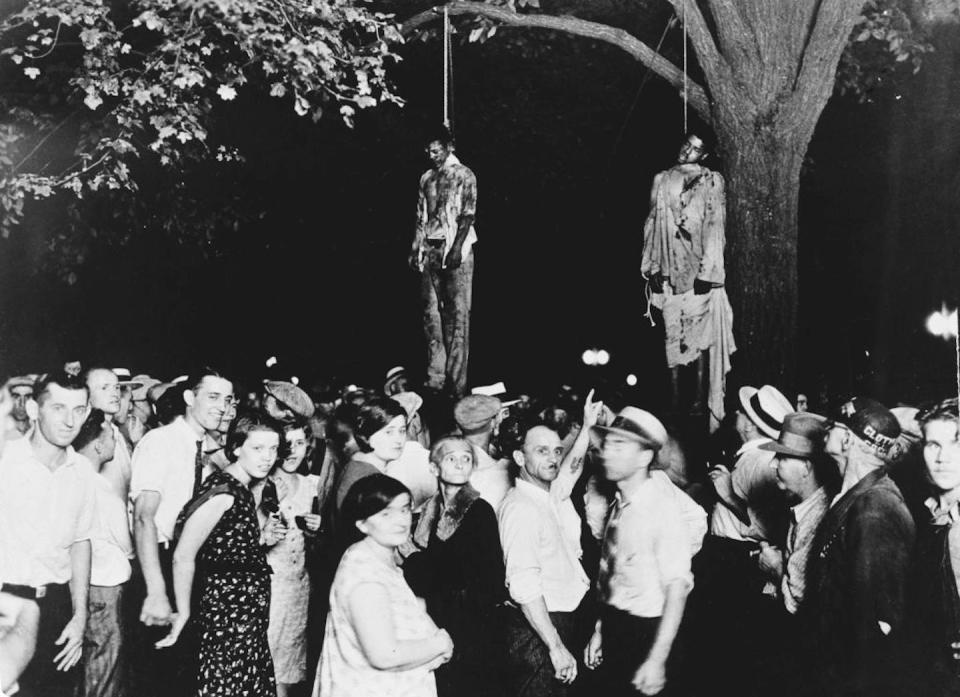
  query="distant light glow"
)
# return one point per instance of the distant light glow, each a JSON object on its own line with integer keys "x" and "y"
{"x": 295, "y": 380}
{"x": 943, "y": 323}
{"x": 632, "y": 380}
{"x": 603, "y": 357}
{"x": 589, "y": 357}
{"x": 272, "y": 361}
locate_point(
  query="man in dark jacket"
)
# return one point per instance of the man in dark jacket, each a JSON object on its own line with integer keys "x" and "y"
{"x": 860, "y": 559}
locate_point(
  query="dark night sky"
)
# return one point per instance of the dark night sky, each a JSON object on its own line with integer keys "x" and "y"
{"x": 564, "y": 169}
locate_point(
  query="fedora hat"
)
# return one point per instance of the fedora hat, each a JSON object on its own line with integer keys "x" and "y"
{"x": 766, "y": 408}
{"x": 803, "y": 435}
{"x": 637, "y": 424}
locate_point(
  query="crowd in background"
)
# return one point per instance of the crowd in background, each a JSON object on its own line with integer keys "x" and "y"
{"x": 199, "y": 536}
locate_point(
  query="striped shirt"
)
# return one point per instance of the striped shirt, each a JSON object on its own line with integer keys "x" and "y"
{"x": 805, "y": 518}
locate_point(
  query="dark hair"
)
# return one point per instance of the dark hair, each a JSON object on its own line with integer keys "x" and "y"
{"x": 373, "y": 416}
{"x": 367, "y": 497}
{"x": 298, "y": 424}
{"x": 195, "y": 379}
{"x": 61, "y": 378}
{"x": 442, "y": 135}
{"x": 945, "y": 410}
{"x": 243, "y": 426}
{"x": 90, "y": 430}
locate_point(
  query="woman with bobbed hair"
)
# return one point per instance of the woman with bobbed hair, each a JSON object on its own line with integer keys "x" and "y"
{"x": 379, "y": 639}
{"x": 380, "y": 430}
{"x": 219, "y": 543}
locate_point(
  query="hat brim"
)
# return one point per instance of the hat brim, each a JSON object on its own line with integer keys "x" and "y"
{"x": 746, "y": 394}
{"x": 775, "y": 447}
{"x": 604, "y": 430}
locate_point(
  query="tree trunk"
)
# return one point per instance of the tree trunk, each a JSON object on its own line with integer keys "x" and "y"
{"x": 763, "y": 189}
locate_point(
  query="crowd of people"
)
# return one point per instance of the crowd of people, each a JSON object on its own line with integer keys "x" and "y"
{"x": 190, "y": 537}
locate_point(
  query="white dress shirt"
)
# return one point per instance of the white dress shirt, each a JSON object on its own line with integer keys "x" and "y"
{"x": 163, "y": 461}
{"x": 111, "y": 545}
{"x": 42, "y": 514}
{"x": 540, "y": 535}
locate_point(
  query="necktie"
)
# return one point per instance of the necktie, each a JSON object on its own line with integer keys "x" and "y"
{"x": 608, "y": 555}
{"x": 198, "y": 468}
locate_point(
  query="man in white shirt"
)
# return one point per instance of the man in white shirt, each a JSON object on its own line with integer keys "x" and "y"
{"x": 112, "y": 549}
{"x": 645, "y": 573}
{"x": 477, "y": 416}
{"x": 540, "y": 534}
{"x": 167, "y": 469}
{"x": 105, "y": 395}
{"x": 46, "y": 520}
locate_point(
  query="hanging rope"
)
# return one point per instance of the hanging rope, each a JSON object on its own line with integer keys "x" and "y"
{"x": 684, "y": 67}
{"x": 447, "y": 72}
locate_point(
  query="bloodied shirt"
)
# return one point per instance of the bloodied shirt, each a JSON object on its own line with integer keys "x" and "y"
{"x": 446, "y": 195}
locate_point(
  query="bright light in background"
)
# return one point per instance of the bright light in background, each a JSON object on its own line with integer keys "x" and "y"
{"x": 272, "y": 361}
{"x": 602, "y": 357}
{"x": 631, "y": 380}
{"x": 295, "y": 380}
{"x": 589, "y": 357}
{"x": 943, "y": 323}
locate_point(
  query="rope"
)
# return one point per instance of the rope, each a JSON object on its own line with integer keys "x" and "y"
{"x": 447, "y": 69}
{"x": 684, "y": 67}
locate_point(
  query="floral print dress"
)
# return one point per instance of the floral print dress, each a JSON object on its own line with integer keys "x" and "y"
{"x": 233, "y": 579}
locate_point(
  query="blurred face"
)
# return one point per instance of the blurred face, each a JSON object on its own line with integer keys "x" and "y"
{"x": 126, "y": 400}
{"x": 258, "y": 453}
{"x": 6, "y": 420}
{"x": 108, "y": 443}
{"x": 941, "y": 453}
{"x": 62, "y": 413}
{"x": 541, "y": 455}
{"x": 277, "y": 409}
{"x": 623, "y": 456}
{"x": 387, "y": 443}
{"x": 228, "y": 416}
{"x": 21, "y": 394}
{"x": 792, "y": 475}
{"x": 142, "y": 410}
{"x": 437, "y": 152}
{"x": 454, "y": 463}
{"x": 837, "y": 439}
{"x": 391, "y": 526}
{"x": 210, "y": 402}
{"x": 297, "y": 445}
{"x": 743, "y": 425}
{"x": 802, "y": 402}
{"x": 104, "y": 391}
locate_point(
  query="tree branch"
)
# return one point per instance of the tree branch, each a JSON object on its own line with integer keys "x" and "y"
{"x": 578, "y": 27}
{"x": 715, "y": 68}
{"x": 737, "y": 39}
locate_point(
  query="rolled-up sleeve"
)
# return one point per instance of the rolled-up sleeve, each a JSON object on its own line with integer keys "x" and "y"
{"x": 672, "y": 549}
{"x": 86, "y": 514}
{"x": 148, "y": 467}
{"x": 519, "y": 539}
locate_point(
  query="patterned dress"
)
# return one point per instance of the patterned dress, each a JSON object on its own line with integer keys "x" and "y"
{"x": 344, "y": 670}
{"x": 233, "y": 579}
{"x": 290, "y": 584}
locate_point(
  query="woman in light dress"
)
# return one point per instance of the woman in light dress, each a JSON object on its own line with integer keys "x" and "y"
{"x": 379, "y": 639}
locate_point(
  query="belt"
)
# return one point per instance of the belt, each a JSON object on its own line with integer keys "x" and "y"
{"x": 436, "y": 243}
{"x": 25, "y": 592}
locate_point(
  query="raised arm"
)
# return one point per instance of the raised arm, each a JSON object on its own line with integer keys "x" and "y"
{"x": 571, "y": 467}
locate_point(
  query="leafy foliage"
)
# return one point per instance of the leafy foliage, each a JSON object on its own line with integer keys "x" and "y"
{"x": 99, "y": 96}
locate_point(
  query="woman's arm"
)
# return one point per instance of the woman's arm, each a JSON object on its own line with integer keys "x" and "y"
{"x": 369, "y": 606}
{"x": 196, "y": 530}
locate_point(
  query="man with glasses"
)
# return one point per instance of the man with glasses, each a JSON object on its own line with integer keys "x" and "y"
{"x": 168, "y": 467}
{"x": 441, "y": 251}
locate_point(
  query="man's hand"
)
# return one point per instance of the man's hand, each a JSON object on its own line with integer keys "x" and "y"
{"x": 454, "y": 258}
{"x": 593, "y": 654}
{"x": 274, "y": 531}
{"x": 156, "y": 610}
{"x": 701, "y": 287}
{"x": 770, "y": 560}
{"x": 179, "y": 622}
{"x": 656, "y": 282}
{"x": 71, "y": 638}
{"x": 414, "y": 259}
{"x": 651, "y": 677}
{"x": 591, "y": 412}
{"x": 722, "y": 482}
{"x": 564, "y": 664}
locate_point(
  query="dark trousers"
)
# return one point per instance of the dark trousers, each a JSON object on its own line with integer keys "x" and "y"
{"x": 447, "y": 295}
{"x": 169, "y": 672}
{"x": 529, "y": 670}
{"x": 104, "y": 656}
{"x": 41, "y": 677}
{"x": 626, "y": 644}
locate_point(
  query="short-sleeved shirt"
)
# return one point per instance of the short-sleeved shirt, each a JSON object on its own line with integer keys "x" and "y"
{"x": 43, "y": 513}
{"x": 446, "y": 195}
{"x": 541, "y": 547}
{"x": 344, "y": 670}
{"x": 163, "y": 461}
{"x": 111, "y": 545}
{"x": 653, "y": 548}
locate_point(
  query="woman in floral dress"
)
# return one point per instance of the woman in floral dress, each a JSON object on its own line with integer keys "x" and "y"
{"x": 219, "y": 544}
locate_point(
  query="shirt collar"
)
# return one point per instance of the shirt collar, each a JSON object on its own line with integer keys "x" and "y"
{"x": 532, "y": 489}
{"x": 450, "y": 161}
{"x": 180, "y": 423}
{"x": 753, "y": 444}
{"x": 22, "y": 447}
{"x": 819, "y": 497}
{"x": 941, "y": 515}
